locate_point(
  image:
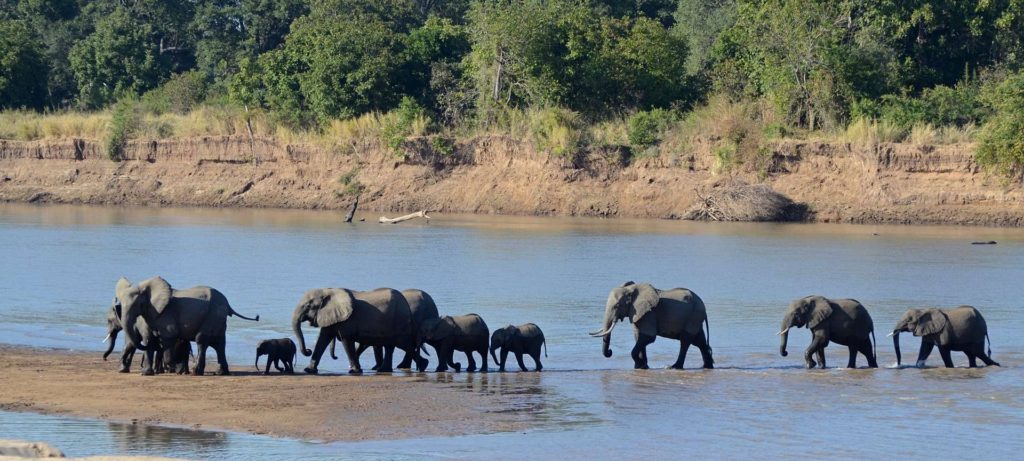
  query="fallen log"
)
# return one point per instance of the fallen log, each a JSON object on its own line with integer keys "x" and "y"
{"x": 418, "y": 214}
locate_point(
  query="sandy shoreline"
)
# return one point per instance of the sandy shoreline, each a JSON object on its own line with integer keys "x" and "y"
{"x": 323, "y": 408}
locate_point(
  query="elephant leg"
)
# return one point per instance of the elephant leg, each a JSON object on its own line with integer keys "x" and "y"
{"x": 443, "y": 359}
{"x": 536, "y": 361}
{"x": 971, "y": 360}
{"x": 980, "y": 353}
{"x": 410, "y": 355}
{"x": 222, "y": 357}
{"x": 353, "y": 359}
{"x": 817, "y": 347}
{"x": 821, "y": 357}
{"x": 519, "y": 358}
{"x": 482, "y": 350}
{"x": 147, "y": 360}
{"x": 389, "y": 355}
{"x": 362, "y": 348}
{"x": 472, "y": 362}
{"x": 201, "y": 346}
{"x": 684, "y": 346}
{"x": 322, "y": 342}
{"x": 852, "y": 362}
{"x": 947, "y": 358}
{"x": 126, "y": 359}
{"x": 926, "y": 350}
{"x": 869, "y": 353}
{"x": 504, "y": 357}
{"x": 639, "y": 352}
{"x": 701, "y": 342}
{"x": 378, "y": 358}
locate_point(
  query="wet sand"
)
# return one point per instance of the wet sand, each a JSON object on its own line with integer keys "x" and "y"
{"x": 322, "y": 407}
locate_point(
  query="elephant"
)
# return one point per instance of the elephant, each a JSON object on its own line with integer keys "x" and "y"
{"x": 958, "y": 329}
{"x": 526, "y": 338}
{"x": 195, "y": 314}
{"x": 181, "y": 354}
{"x": 843, "y": 321}
{"x": 676, "y": 313}
{"x": 278, "y": 351}
{"x": 379, "y": 317}
{"x": 467, "y": 333}
{"x": 422, "y": 307}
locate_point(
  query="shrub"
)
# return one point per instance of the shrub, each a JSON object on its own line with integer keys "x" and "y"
{"x": 179, "y": 95}
{"x": 558, "y": 131}
{"x": 409, "y": 119}
{"x": 1002, "y": 136}
{"x": 647, "y": 128}
{"x": 123, "y": 124}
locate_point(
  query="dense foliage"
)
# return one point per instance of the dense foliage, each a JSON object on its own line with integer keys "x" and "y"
{"x": 809, "y": 64}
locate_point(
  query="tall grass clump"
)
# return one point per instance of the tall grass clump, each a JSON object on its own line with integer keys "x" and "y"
{"x": 646, "y": 128}
{"x": 558, "y": 131}
{"x": 408, "y": 119}
{"x": 730, "y": 133}
{"x": 870, "y": 133}
{"x": 123, "y": 124}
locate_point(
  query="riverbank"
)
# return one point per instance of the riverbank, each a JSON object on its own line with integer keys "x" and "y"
{"x": 831, "y": 182}
{"x": 324, "y": 408}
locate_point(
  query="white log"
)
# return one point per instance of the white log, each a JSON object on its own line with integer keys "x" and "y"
{"x": 418, "y": 214}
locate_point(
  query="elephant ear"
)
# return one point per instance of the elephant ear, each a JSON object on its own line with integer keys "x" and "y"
{"x": 446, "y": 327}
{"x": 646, "y": 297}
{"x": 338, "y": 307}
{"x": 822, "y": 310}
{"x": 159, "y": 292}
{"x": 932, "y": 321}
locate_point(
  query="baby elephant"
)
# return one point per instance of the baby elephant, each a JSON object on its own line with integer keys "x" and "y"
{"x": 281, "y": 350}
{"x": 467, "y": 333}
{"x": 520, "y": 339}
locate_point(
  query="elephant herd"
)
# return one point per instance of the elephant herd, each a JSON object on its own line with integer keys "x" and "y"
{"x": 163, "y": 322}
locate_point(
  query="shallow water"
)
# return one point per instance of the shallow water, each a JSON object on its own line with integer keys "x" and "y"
{"x": 60, "y": 265}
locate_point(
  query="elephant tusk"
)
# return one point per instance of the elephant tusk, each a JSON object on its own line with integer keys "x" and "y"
{"x": 599, "y": 333}
{"x": 890, "y": 334}
{"x": 106, "y": 338}
{"x": 782, "y": 332}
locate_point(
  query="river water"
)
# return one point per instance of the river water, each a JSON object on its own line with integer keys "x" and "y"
{"x": 59, "y": 265}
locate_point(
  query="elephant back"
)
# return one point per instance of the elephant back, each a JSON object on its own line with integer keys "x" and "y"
{"x": 966, "y": 324}
{"x": 529, "y": 330}
{"x": 471, "y": 325}
{"x": 384, "y": 310}
{"x": 421, "y": 306}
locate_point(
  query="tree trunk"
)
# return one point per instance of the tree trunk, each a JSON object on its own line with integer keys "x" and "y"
{"x": 352, "y": 212}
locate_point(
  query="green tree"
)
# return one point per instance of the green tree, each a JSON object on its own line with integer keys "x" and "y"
{"x": 118, "y": 58}
{"x": 22, "y": 68}
{"x": 1002, "y": 137}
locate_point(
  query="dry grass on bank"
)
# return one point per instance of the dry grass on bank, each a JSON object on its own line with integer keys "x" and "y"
{"x": 733, "y": 200}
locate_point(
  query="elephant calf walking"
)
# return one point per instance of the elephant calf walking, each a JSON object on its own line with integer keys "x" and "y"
{"x": 843, "y": 321}
{"x": 958, "y": 329}
{"x": 466, "y": 333}
{"x": 520, "y": 339}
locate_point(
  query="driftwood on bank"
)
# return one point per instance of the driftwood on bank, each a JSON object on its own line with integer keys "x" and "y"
{"x": 418, "y": 214}
{"x": 352, "y": 212}
{"x": 738, "y": 201}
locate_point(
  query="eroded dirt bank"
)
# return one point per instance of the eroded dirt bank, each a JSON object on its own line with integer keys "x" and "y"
{"x": 323, "y": 407}
{"x": 890, "y": 183}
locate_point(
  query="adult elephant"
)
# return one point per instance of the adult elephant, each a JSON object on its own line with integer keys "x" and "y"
{"x": 197, "y": 314}
{"x": 958, "y": 329}
{"x": 379, "y": 317}
{"x": 181, "y": 354}
{"x": 843, "y": 321}
{"x": 422, "y": 308}
{"x": 676, "y": 313}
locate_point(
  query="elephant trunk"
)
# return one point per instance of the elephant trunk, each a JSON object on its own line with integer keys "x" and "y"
{"x": 787, "y": 322}
{"x": 896, "y": 346}
{"x": 606, "y": 331}
{"x": 493, "y": 355}
{"x": 297, "y": 327}
{"x": 110, "y": 347}
{"x": 257, "y": 365}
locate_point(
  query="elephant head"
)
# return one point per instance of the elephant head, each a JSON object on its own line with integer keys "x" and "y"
{"x": 321, "y": 308}
{"x": 263, "y": 348}
{"x": 435, "y": 329}
{"x": 113, "y": 327}
{"x": 921, "y": 322}
{"x": 502, "y": 337}
{"x": 632, "y": 301}
{"x": 149, "y": 299}
{"x": 809, "y": 311}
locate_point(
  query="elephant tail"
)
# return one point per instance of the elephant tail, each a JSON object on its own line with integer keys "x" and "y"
{"x": 989, "y": 345}
{"x": 707, "y": 326}
{"x": 231, "y": 311}
{"x": 874, "y": 345}
{"x": 545, "y": 343}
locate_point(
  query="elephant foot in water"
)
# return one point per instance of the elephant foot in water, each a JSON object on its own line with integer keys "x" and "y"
{"x": 223, "y": 371}
{"x": 148, "y": 372}
{"x": 640, "y": 366}
{"x": 355, "y": 371}
{"x": 314, "y": 371}
{"x": 810, "y": 363}
{"x": 421, "y": 365}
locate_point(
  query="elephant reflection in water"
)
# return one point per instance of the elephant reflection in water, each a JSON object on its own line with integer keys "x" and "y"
{"x": 132, "y": 437}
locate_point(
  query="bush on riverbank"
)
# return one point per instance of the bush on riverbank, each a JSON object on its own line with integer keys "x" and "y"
{"x": 733, "y": 200}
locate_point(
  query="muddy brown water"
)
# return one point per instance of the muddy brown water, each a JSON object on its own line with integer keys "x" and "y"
{"x": 59, "y": 265}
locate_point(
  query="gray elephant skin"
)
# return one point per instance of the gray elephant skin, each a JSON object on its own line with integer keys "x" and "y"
{"x": 422, "y": 308}
{"x": 466, "y": 333}
{"x": 519, "y": 340}
{"x": 197, "y": 314}
{"x": 181, "y": 354}
{"x": 676, "y": 313}
{"x": 279, "y": 352}
{"x": 379, "y": 317}
{"x": 959, "y": 329}
{"x": 842, "y": 321}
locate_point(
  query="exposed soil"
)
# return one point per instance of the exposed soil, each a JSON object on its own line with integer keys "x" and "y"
{"x": 321, "y": 407}
{"x": 889, "y": 183}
